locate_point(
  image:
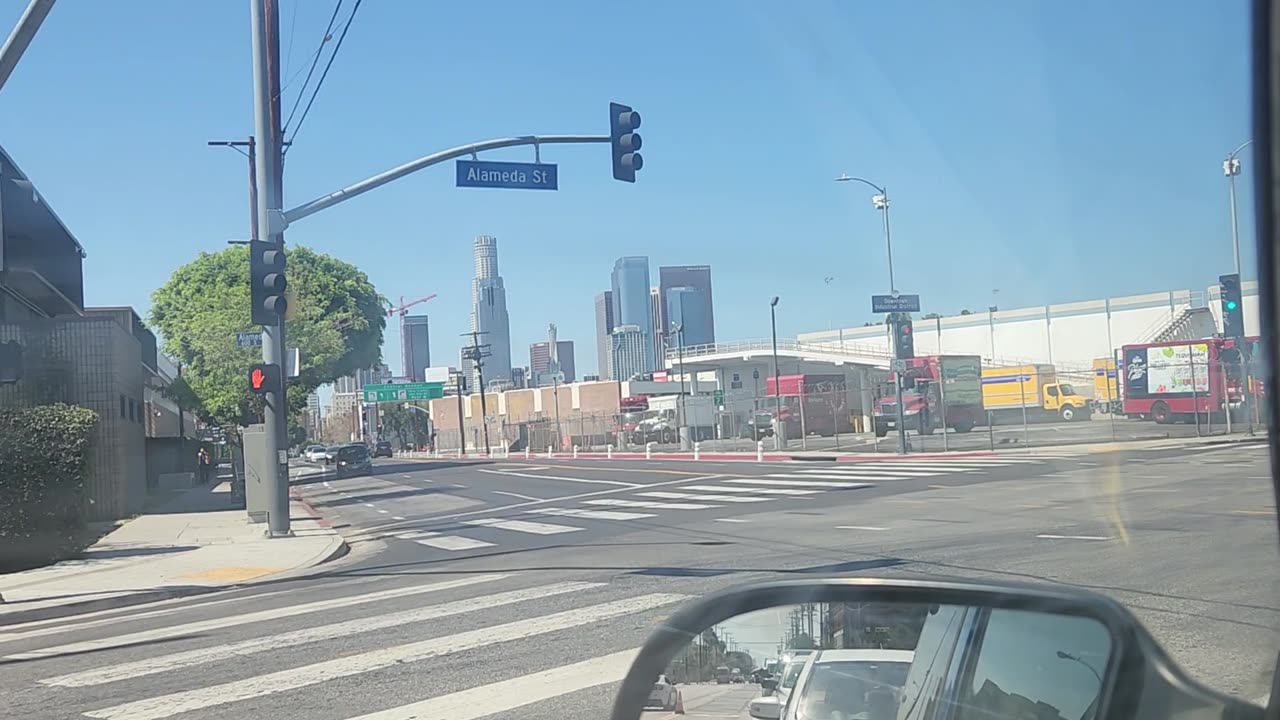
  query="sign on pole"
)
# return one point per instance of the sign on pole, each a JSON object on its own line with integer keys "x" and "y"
{"x": 507, "y": 175}
{"x": 717, "y": 397}
{"x": 895, "y": 303}
{"x": 249, "y": 338}
{"x": 403, "y": 392}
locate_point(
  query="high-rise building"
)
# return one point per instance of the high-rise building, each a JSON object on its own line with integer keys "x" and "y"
{"x": 540, "y": 361}
{"x": 631, "y": 352}
{"x": 699, "y": 330}
{"x": 355, "y": 383}
{"x": 489, "y": 312}
{"x": 519, "y": 378}
{"x": 688, "y": 309}
{"x": 604, "y": 333}
{"x": 415, "y": 350}
{"x": 660, "y": 329}
{"x": 632, "y": 305}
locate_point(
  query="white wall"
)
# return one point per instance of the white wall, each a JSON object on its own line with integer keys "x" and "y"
{"x": 1069, "y": 335}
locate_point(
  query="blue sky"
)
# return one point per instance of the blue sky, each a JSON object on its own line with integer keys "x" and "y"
{"x": 1056, "y": 151}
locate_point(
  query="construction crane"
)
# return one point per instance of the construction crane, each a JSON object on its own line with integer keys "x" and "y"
{"x": 404, "y": 307}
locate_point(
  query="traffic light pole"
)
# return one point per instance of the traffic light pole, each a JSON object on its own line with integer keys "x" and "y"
{"x": 265, "y": 26}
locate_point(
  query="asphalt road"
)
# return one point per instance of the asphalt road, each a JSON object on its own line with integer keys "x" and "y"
{"x": 541, "y": 621}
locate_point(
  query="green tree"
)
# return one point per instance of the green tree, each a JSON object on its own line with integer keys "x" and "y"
{"x": 407, "y": 425}
{"x": 337, "y": 320}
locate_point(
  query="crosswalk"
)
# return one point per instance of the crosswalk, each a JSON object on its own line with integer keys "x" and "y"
{"x": 386, "y": 650}
{"x": 744, "y": 492}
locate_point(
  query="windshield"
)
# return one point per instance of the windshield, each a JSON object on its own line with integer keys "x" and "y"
{"x": 614, "y": 307}
{"x": 844, "y": 686}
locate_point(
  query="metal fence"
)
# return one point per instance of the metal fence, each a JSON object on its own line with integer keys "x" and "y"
{"x": 1191, "y": 394}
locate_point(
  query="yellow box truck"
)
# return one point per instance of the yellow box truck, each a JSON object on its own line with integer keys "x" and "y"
{"x": 1007, "y": 391}
{"x": 1106, "y": 387}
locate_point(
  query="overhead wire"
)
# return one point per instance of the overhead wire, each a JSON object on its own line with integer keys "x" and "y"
{"x": 315, "y": 60}
{"x": 325, "y": 73}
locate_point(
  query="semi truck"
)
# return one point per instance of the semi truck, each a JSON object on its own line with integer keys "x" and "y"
{"x": 1106, "y": 387}
{"x": 937, "y": 386}
{"x": 1009, "y": 392}
{"x": 813, "y": 404}
{"x": 1177, "y": 380}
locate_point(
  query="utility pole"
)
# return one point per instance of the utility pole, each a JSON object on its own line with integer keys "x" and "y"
{"x": 458, "y": 375}
{"x": 476, "y": 354}
{"x": 265, "y": 26}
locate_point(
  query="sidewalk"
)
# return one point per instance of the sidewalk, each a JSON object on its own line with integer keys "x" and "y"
{"x": 194, "y": 541}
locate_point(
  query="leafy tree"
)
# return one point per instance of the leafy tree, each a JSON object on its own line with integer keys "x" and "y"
{"x": 337, "y": 320}
{"x": 407, "y": 425}
{"x": 740, "y": 660}
{"x": 801, "y": 641}
{"x": 966, "y": 311}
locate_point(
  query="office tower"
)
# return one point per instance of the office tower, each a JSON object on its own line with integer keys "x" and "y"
{"x": 699, "y": 313}
{"x": 604, "y": 333}
{"x": 688, "y": 308}
{"x": 415, "y": 350}
{"x": 540, "y": 361}
{"x": 632, "y": 305}
{"x": 631, "y": 352}
{"x": 489, "y": 312}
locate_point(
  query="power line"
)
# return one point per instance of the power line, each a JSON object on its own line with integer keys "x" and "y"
{"x": 325, "y": 73}
{"x": 315, "y": 60}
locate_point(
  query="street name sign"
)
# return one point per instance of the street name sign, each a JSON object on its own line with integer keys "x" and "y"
{"x": 507, "y": 175}
{"x": 401, "y": 392}
{"x": 249, "y": 339}
{"x": 895, "y": 303}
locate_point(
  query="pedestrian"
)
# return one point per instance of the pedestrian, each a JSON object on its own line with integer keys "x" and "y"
{"x": 205, "y": 465}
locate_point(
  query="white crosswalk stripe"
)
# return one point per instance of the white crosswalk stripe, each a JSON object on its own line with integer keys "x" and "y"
{"x": 702, "y": 496}
{"x": 890, "y": 473}
{"x": 619, "y": 502}
{"x": 800, "y": 483}
{"x": 523, "y": 526}
{"x": 593, "y": 514}
{"x": 762, "y": 491}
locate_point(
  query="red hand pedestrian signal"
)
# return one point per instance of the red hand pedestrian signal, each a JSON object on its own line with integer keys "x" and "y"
{"x": 264, "y": 378}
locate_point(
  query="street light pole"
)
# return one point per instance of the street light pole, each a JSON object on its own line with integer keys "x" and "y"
{"x": 681, "y": 431}
{"x": 1231, "y": 168}
{"x": 881, "y": 202}
{"x": 777, "y": 387}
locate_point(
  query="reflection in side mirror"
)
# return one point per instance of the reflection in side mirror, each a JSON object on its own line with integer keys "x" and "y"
{"x": 765, "y": 708}
{"x": 768, "y": 685}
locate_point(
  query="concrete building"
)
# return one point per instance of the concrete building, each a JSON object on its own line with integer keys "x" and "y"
{"x": 630, "y": 352}
{"x": 632, "y": 306}
{"x": 355, "y": 383}
{"x": 604, "y": 334}
{"x": 700, "y": 322}
{"x": 415, "y": 350}
{"x": 489, "y": 311}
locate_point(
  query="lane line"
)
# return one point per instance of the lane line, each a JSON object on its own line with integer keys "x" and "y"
{"x": 594, "y": 514}
{"x": 163, "y": 706}
{"x": 762, "y": 491}
{"x": 1073, "y": 537}
{"x": 201, "y": 656}
{"x": 801, "y": 483}
{"x": 499, "y": 697}
{"x": 860, "y": 527}
{"x": 514, "y": 495}
{"x": 844, "y": 476}
{"x": 588, "y": 481}
{"x": 524, "y": 526}
{"x": 837, "y": 473}
{"x": 396, "y": 517}
{"x": 616, "y": 502}
{"x": 199, "y": 626}
{"x": 698, "y": 496}
{"x": 730, "y": 520}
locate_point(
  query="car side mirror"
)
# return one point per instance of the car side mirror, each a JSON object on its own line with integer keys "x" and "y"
{"x": 769, "y": 684}
{"x": 765, "y": 708}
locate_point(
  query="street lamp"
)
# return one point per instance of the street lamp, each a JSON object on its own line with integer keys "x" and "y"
{"x": 1231, "y": 168}
{"x": 778, "y": 440}
{"x": 881, "y": 202}
{"x": 1068, "y": 656}
{"x": 677, "y": 331}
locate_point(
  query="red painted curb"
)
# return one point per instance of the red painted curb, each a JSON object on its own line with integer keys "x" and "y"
{"x": 320, "y": 519}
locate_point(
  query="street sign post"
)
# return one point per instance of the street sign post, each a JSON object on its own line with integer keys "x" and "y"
{"x": 249, "y": 339}
{"x": 403, "y": 392}
{"x": 717, "y": 397}
{"x": 895, "y": 303}
{"x": 507, "y": 175}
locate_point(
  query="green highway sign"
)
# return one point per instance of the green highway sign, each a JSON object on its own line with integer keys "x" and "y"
{"x": 717, "y": 397}
{"x": 399, "y": 392}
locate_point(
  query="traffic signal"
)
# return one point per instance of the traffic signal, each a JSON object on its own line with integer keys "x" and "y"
{"x": 625, "y": 142}
{"x": 264, "y": 378}
{"x": 1232, "y": 306}
{"x": 267, "y": 282}
{"x": 10, "y": 362}
{"x": 904, "y": 339}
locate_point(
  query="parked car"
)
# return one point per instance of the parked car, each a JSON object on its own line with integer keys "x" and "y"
{"x": 353, "y": 459}
{"x": 382, "y": 449}
{"x": 315, "y": 453}
{"x": 663, "y": 694}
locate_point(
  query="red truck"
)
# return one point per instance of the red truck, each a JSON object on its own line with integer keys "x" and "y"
{"x": 1171, "y": 381}
{"x": 937, "y": 381}
{"x": 812, "y": 404}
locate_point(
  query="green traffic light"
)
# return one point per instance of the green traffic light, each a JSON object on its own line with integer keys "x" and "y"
{"x": 1231, "y": 304}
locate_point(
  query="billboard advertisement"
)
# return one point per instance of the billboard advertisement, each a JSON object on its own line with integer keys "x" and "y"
{"x": 1172, "y": 370}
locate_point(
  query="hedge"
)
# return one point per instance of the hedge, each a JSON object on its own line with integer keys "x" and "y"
{"x": 43, "y": 462}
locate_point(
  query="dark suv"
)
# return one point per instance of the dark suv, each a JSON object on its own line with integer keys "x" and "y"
{"x": 353, "y": 459}
{"x": 382, "y": 449}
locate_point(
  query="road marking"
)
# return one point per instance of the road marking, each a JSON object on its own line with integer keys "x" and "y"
{"x": 384, "y": 512}
{"x": 406, "y": 475}
{"x": 730, "y": 520}
{"x": 941, "y": 487}
{"x": 801, "y": 483}
{"x": 164, "y": 706}
{"x": 590, "y": 481}
{"x": 326, "y": 484}
{"x": 837, "y": 473}
{"x": 648, "y": 504}
{"x": 396, "y": 517}
{"x": 696, "y": 496}
{"x": 201, "y": 656}
{"x": 860, "y": 527}
{"x": 368, "y": 504}
{"x": 523, "y": 526}
{"x": 1073, "y": 537}
{"x": 842, "y": 476}
{"x": 514, "y": 495}
{"x": 1253, "y": 512}
{"x": 593, "y": 514}
{"x": 763, "y": 491}
{"x": 604, "y": 468}
{"x": 499, "y": 697}
{"x": 194, "y": 628}
{"x": 453, "y": 543}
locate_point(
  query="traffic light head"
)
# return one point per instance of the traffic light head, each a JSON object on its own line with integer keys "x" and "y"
{"x": 624, "y": 142}
{"x": 1232, "y": 306}
{"x": 265, "y": 378}
{"x": 267, "y": 282}
{"x": 904, "y": 345}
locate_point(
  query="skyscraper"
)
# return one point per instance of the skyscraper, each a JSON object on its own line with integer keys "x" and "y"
{"x": 698, "y": 330}
{"x": 415, "y": 350}
{"x": 489, "y": 312}
{"x": 604, "y": 333}
{"x": 632, "y": 305}
{"x": 540, "y": 361}
{"x": 660, "y": 330}
{"x": 631, "y": 349}
{"x": 688, "y": 308}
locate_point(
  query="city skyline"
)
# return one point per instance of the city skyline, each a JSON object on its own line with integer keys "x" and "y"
{"x": 490, "y": 322}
